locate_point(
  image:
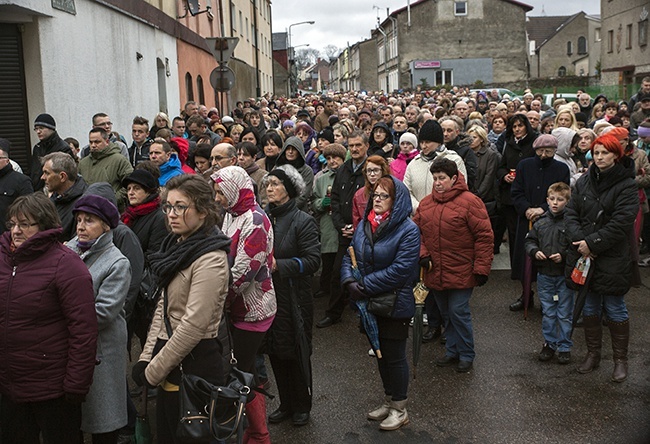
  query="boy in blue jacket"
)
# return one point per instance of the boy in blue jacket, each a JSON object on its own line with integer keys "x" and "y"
{"x": 547, "y": 243}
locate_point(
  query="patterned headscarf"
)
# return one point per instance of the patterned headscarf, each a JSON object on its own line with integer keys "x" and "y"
{"x": 237, "y": 188}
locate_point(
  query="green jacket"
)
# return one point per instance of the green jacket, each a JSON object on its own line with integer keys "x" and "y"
{"x": 329, "y": 237}
{"x": 108, "y": 165}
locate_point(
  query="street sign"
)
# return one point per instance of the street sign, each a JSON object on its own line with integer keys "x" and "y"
{"x": 222, "y": 47}
{"x": 222, "y": 78}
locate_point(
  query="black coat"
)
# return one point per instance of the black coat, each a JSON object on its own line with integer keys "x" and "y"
{"x": 151, "y": 231}
{"x": 513, "y": 153}
{"x": 64, "y": 204}
{"x": 461, "y": 146}
{"x": 296, "y": 250}
{"x": 12, "y": 186}
{"x": 346, "y": 183}
{"x": 549, "y": 236}
{"x": 601, "y": 211}
{"x": 137, "y": 155}
{"x": 52, "y": 144}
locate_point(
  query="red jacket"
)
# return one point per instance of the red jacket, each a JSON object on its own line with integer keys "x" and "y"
{"x": 48, "y": 325}
{"x": 359, "y": 203}
{"x": 456, "y": 232}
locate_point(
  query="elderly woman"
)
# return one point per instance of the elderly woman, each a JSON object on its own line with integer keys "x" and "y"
{"x": 408, "y": 149}
{"x": 292, "y": 154}
{"x": 587, "y": 136}
{"x": 103, "y": 413}
{"x": 387, "y": 245}
{"x": 296, "y": 259}
{"x": 235, "y": 133}
{"x": 374, "y": 169}
{"x": 49, "y": 347}
{"x": 454, "y": 265}
{"x": 600, "y": 221}
{"x": 251, "y": 300}
{"x": 488, "y": 162}
{"x": 191, "y": 271}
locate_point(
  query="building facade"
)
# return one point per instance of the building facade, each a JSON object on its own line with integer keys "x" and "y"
{"x": 363, "y": 66}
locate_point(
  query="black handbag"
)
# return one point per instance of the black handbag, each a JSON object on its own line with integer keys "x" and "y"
{"x": 209, "y": 411}
{"x": 382, "y": 304}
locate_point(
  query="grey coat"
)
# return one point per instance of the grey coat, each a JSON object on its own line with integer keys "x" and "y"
{"x": 105, "y": 406}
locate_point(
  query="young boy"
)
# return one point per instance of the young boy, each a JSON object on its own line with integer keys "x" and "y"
{"x": 547, "y": 243}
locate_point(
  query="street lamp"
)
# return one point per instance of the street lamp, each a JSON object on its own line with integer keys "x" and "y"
{"x": 291, "y": 65}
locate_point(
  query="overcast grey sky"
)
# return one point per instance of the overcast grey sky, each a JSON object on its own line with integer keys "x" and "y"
{"x": 339, "y": 22}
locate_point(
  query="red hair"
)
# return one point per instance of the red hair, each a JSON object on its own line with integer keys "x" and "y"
{"x": 610, "y": 143}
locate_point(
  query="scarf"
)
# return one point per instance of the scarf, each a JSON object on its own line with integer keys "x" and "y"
{"x": 84, "y": 246}
{"x": 175, "y": 255}
{"x": 376, "y": 219}
{"x": 133, "y": 212}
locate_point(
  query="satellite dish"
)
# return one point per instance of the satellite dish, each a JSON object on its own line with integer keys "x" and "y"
{"x": 193, "y": 6}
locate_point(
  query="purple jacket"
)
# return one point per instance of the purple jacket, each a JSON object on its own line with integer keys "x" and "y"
{"x": 48, "y": 325}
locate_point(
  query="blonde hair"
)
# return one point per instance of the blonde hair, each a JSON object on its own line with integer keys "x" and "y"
{"x": 481, "y": 133}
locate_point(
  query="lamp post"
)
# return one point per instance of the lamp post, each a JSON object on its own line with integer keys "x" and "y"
{"x": 291, "y": 62}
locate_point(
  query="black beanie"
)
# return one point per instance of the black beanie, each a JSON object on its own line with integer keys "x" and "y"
{"x": 286, "y": 181}
{"x": 326, "y": 134}
{"x": 431, "y": 131}
{"x": 582, "y": 117}
{"x": 46, "y": 121}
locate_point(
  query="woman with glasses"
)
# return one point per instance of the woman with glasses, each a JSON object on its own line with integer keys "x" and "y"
{"x": 191, "y": 271}
{"x": 374, "y": 169}
{"x": 48, "y": 335}
{"x": 387, "y": 247}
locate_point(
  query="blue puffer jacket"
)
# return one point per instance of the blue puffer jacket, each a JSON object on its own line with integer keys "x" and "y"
{"x": 388, "y": 260}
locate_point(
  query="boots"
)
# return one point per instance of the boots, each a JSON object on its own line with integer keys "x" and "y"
{"x": 257, "y": 431}
{"x": 620, "y": 332}
{"x": 381, "y": 412}
{"x": 593, "y": 337}
{"x": 397, "y": 416}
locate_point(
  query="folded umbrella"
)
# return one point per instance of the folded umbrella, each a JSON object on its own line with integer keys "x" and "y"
{"x": 303, "y": 349}
{"x": 420, "y": 292}
{"x": 368, "y": 319}
{"x": 143, "y": 433}
{"x": 527, "y": 279}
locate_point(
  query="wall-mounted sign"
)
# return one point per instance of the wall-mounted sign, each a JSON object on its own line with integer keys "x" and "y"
{"x": 422, "y": 64}
{"x": 65, "y": 5}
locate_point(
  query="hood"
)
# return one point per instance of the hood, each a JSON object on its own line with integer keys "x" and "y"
{"x": 401, "y": 210}
{"x": 389, "y": 136}
{"x": 183, "y": 148}
{"x": 33, "y": 247}
{"x": 237, "y": 188}
{"x": 102, "y": 189}
{"x": 172, "y": 164}
{"x": 564, "y": 138}
{"x": 111, "y": 149}
{"x": 295, "y": 142}
{"x": 457, "y": 188}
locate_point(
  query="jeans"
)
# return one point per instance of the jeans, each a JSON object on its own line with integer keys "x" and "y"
{"x": 454, "y": 307}
{"x": 433, "y": 312}
{"x": 557, "y": 315}
{"x": 394, "y": 368}
{"x": 614, "y": 306}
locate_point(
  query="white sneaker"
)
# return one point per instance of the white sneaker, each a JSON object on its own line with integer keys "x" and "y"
{"x": 371, "y": 352}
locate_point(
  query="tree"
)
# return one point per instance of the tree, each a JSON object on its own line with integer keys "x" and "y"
{"x": 331, "y": 52}
{"x": 305, "y": 57}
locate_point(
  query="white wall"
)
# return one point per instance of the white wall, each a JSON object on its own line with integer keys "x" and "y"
{"x": 78, "y": 65}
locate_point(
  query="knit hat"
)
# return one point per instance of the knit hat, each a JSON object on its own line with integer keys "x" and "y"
{"x": 619, "y": 132}
{"x": 287, "y": 123}
{"x": 100, "y": 207}
{"x": 601, "y": 125}
{"x": 143, "y": 178}
{"x": 303, "y": 113}
{"x": 643, "y": 131}
{"x": 326, "y": 134}
{"x": 431, "y": 131}
{"x": 286, "y": 181}
{"x": 46, "y": 121}
{"x": 501, "y": 107}
{"x": 545, "y": 141}
{"x": 410, "y": 138}
{"x": 582, "y": 117}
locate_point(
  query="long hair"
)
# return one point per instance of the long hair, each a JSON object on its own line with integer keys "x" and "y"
{"x": 385, "y": 171}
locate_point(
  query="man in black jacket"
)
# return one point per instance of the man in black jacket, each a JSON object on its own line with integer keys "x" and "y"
{"x": 349, "y": 178}
{"x": 49, "y": 142}
{"x": 451, "y": 129}
{"x": 12, "y": 183}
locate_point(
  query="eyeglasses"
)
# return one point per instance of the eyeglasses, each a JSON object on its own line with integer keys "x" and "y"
{"x": 24, "y": 226}
{"x": 373, "y": 171}
{"x": 547, "y": 151}
{"x": 178, "y": 209}
{"x": 274, "y": 184}
{"x": 217, "y": 158}
{"x": 380, "y": 196}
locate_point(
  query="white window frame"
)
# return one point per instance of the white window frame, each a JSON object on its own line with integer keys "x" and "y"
{"x": 456, "y": 5}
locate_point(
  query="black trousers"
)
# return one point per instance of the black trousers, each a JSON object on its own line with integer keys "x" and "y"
{"x": 338, "y": 295}
{"x": 294, "y": 394}
{"x": 245, "y": 345}
{"x": 57, "y": 420}
{"x": 327, "y": 261}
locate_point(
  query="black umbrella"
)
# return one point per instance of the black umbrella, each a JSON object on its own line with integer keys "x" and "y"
{"x": 581, "y": 297}
{"x": 527, "y": 279}
{"x": 143, "y": 433}
{"x": 303, "y": 350}
{"x": 420, "y": 292}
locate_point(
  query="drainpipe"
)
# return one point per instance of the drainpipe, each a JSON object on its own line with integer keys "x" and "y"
{"x": 379, "y": 28}
{"x": 394, "y": 21}
{"x": 258, "y": 89}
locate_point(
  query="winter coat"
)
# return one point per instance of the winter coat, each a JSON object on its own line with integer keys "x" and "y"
{"x": 297, "y": 257}
{"x": 398, "y": 166}
{"x": 549, "y": 236}
{"x": 104, "y": 409}
{"x": 513, "y": 152}
{"x": 312, "y": 159}
{"x": 48, "y": 326}
{"x": 52, "y": 144}
{"x": 322, "y": 120}
{"x": 642, "y": 179}
{"x": 359, "y": 204}
{"x": 563, "y": 154}
{"x": 64, "y": 204}
{"x": 305, "y": 171}
{"x": 601, "y": 212}
{"x": 533, "y": 177}
{"x": 108, "y": 166}
{"x": 461, "y": 146}
{"x": 383, "y": 149}
{"x": 169, "y": 169}
{"x": 418, "y": 178}
{"x": 346, "y": 183}
{"x": 139, "y": 154}
{"x": 12, "y": 186}
{"x": 486, "y": 173}
{"x": 388, "y": 258}
{"x": 150, "y": 229}
{"x": 329, "y": 237}
{"x": 457, "y": 235}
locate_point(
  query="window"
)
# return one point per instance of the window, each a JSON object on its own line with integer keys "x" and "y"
{"x": 569, "y": 48}
{"x": 381, "y": 55}
{"x": 199, "y": 89}
{"x": 443, "y": 78}
{"x": 582, "y": 46}
{"x": 247, "y": 31}
{"x": 189, "y": 87}
{"x": 610, "y": 40}
{"x": 628, "y": 37}
{"x": 241, "y": 24}
{"x": 561, "y": 72}
{"x": 460, "y": 8}
{"x": 233, "y": 19}
{"x": 643, "y": 32}
{"x": 597, "y": 37}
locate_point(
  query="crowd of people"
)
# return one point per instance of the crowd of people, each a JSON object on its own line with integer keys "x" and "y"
{"x": 209, "y": 223}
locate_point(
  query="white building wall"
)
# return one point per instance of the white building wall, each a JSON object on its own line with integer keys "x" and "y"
{"x": 78, "y": 65}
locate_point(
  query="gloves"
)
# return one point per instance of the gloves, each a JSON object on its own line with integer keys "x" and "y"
{"x": 74, "y": 398}
{"x": 426, "y": 263}
{"x": 137, "y": 374}
{"x": 480, "y": 279}
{"x": 326, "y": 202}
{"x": 356, "y": 291}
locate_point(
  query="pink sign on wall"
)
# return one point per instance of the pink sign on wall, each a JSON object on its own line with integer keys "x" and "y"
{"x": 427, "y": 64}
